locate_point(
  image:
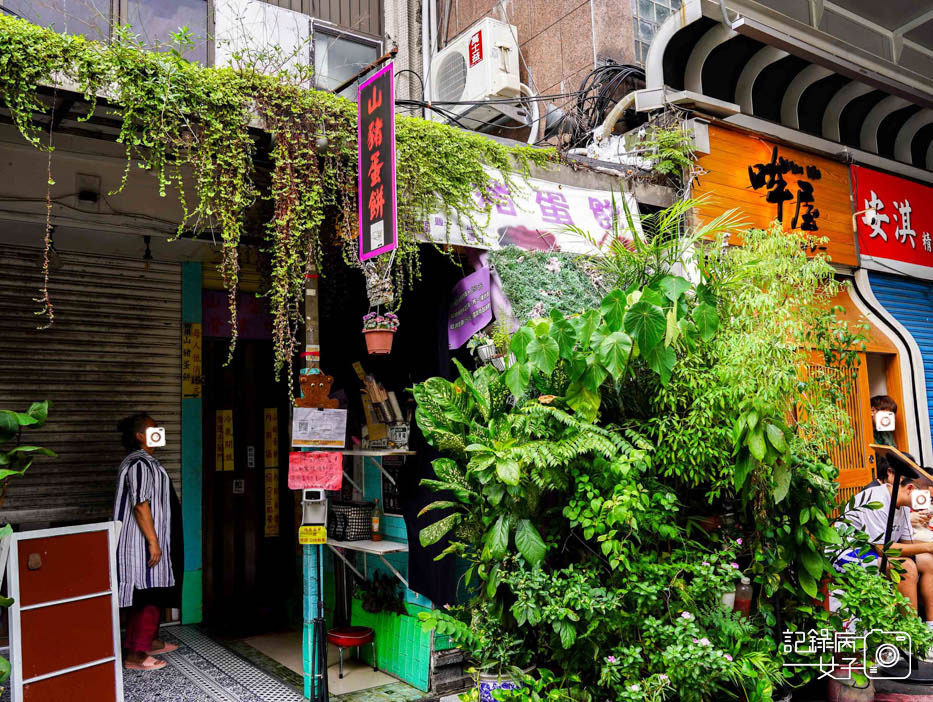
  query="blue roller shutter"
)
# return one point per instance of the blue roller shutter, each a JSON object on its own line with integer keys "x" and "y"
{"x": 910, "y": 302}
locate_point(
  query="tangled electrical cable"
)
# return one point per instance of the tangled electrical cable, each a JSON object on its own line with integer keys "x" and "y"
{"x": 599, "y": 91}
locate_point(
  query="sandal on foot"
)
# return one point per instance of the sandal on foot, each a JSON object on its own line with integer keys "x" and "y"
{"x": 166, "y": 648}
{"x": 149, "y": 663}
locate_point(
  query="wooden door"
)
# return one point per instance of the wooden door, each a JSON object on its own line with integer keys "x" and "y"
{"x": 855, "y": 460}
{"x": 64, "y": 623}
{"x": 249, "y": 574}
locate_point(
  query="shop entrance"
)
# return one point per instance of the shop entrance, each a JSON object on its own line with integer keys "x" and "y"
{"x": 251, "y": 582}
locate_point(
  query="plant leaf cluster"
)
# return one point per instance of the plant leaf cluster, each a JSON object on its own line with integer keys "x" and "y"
{"x": 575, "y": 484}
{"x": 202, "y": 130}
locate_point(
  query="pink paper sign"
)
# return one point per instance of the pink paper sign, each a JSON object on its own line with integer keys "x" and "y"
{"x": 315, "y": 470}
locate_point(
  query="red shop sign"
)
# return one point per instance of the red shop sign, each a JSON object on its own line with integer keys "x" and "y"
{"x": 894, "y": 221}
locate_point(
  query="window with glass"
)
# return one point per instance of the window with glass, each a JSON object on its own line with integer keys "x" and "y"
{"x": 88, "y": 17}
{"x": 156, "y": 20}
{"x": 648, "y": 15}
{"x": 338, "y": 56}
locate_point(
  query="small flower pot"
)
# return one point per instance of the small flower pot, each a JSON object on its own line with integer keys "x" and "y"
{"x": 485, "y": 352}
{"x": 378, "y": 341}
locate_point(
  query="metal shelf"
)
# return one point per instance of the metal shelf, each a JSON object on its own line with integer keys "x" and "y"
{"x": 374, "y": 548}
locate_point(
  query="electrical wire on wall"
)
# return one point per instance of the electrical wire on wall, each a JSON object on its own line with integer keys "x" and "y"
{"x": 599, "y": 91}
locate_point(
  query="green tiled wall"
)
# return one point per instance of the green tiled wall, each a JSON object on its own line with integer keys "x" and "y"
{"x": 402, "y": 648}
{"x": 393, "y": 529}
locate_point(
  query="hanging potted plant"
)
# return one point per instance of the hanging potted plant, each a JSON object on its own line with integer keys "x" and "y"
{"x": 482, "y": 346}
{"x": 379, "y": 330}
{"x": 502, "y": 357}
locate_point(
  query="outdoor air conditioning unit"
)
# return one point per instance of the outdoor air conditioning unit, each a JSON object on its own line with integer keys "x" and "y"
{"x": 479, "y": 65}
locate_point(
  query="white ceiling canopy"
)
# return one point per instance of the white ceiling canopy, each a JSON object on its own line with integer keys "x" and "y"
{"x": 858, "y": 72}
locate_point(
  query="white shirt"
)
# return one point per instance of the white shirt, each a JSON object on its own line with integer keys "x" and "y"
{"x": 874, "y": 521}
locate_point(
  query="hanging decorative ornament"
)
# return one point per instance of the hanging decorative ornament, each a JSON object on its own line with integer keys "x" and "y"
{"x": 379, "y": 287}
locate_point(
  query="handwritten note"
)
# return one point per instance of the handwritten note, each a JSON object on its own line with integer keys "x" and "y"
{"x": 315, "y": 470}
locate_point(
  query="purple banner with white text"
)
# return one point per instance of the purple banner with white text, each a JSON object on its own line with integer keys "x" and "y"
{"x": 470, "y": 308}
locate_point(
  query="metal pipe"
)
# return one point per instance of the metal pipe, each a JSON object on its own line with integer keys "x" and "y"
{"x": 607, "y": 126}
{"x": 350, "y": 81}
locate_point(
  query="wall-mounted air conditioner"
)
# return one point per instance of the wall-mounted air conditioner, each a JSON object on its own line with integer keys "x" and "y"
{"x": 478, "y": 66}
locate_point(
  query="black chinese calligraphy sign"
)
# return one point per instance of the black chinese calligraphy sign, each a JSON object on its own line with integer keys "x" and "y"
{"x": 376, "y": 134}
{"x": 770, "y": 183}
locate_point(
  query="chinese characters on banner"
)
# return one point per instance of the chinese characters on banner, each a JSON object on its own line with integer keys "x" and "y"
{"x": 376, "y": 133}
{"x": 476, "y": 48}
{"x": 224, "y": 440}
{"x": 470, "y": 308}
{"x": 270, "y": 421}
{"x": 271, "y": 502}
{"x": 768, "y": 182}
{"x": 894, "y": 221}
{"x": 191, "y": 360}
{"x": 536, "y": 214}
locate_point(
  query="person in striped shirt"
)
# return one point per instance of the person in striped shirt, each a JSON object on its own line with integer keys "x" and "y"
{"x": 149, "y": 552}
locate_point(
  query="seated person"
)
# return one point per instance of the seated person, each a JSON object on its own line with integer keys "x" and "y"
{"x": 916, "y": 557}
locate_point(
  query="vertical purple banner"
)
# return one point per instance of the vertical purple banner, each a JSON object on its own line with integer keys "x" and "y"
{"x": 376, "y": 164}
{"x": 470, "y": 308}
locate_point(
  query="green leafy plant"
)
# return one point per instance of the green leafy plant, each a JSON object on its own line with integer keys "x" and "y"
{"x": 16, "y": 456}
{"x": 381, "y": 594}
{"x": 15, "y": 459}
{"x": 573, "y": 479}
{"x": 537, "y": 281}
{"x": 192, "y": 127}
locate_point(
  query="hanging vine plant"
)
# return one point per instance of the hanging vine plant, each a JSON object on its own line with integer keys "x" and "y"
{"x": 201, "y": 126}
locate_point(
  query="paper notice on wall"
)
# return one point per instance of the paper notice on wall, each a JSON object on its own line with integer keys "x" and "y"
{"x": 223, "y": 440}
{"x": 270, "y": 420}
{"x": 227, "y": 420}
{"x": 191, "y": 360}
{"x": 315, "y": 470}
{"x": 272, "y": 502}
{"x": 219, "y": 441}
{"x": 319, "y": 428}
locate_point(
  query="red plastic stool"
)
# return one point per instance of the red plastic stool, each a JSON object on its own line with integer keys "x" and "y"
{"x": 352, "y": 637}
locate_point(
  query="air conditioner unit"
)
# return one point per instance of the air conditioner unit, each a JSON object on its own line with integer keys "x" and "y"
{"x": 479, "y": 65}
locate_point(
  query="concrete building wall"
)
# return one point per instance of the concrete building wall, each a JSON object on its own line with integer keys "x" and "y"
{"x": 561, "y": 41}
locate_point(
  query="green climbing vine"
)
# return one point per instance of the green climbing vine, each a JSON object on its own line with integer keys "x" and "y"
{"x": 205, "y": 133}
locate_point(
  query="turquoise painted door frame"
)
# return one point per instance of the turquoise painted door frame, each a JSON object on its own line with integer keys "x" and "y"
{"x": 191, "y": 451}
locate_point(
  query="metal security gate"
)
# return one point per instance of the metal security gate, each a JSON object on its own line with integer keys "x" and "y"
{"x": 113, "y": 349}
{"x": 910, "y": 302}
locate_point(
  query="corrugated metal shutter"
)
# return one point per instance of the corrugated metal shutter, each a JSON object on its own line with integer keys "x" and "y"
{"x": 910, "y": 302}
{"x": 113, "y": 349}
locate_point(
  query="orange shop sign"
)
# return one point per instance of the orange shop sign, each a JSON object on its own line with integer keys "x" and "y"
{"x": 767, "y": 181}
